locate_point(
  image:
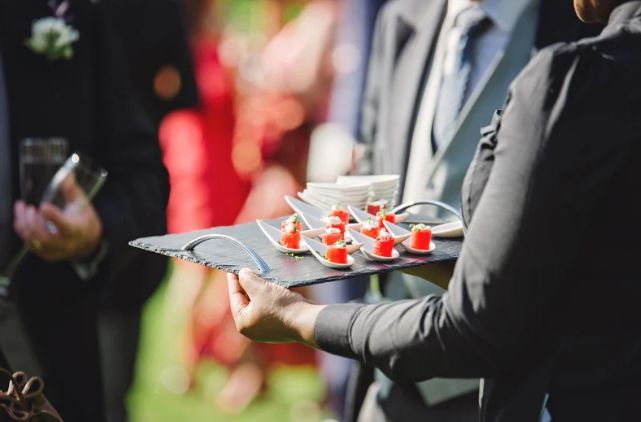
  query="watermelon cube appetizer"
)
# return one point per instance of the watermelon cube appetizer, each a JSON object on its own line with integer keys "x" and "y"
{"x": 331, "y": 236}
{"x": 421, "y": 237}
{"x": 337, "y": 253}
{"x": 384, "y": 244}
{"x": 375, "y": 207}
{"x": 341, "y": 212}
{"x": 334, "y": 222}
{"x": 290, "y": 232}
{"x": 371, "y": 228}
{"x": 383, "y": 215}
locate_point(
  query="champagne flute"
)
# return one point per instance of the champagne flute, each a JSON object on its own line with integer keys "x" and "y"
{"x": 79, "y": 169}
{"x": 38, "y": 161}
{"x": 39, "y": 158}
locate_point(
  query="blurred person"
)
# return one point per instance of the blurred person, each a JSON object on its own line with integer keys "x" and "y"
{"x": 282, "y": 99}
{"x": 223, "y": 157}
{"x": 281, "y": 104}
{"x": 525, "y": 307}
{"x": 78, "y": 89}
{"x": 206, "y": 191}
{"x": 350, "y": 56}
{"x": 437, "y": 70}
{"x": 154, "y": 40}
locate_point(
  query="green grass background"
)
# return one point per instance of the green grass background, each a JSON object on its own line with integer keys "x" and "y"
{"x": 293, "y": 393}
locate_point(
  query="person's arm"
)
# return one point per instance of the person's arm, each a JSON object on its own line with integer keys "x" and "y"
{"x": 551, "y": 167}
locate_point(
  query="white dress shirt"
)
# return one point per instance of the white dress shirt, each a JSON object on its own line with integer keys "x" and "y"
{"x": 503, "y": 15}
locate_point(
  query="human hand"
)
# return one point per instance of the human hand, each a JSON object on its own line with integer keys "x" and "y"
{"x": 268, "y": 312}
{"x": 57, "y": 235}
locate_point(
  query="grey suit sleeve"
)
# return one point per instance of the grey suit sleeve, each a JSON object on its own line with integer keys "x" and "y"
{"x": 551, "y": 166}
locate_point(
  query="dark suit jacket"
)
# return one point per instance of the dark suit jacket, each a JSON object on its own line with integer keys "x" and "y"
{"x": 544, "y": 298}
{"x": 154, "y": 37}
{"x": 89, "y": 101}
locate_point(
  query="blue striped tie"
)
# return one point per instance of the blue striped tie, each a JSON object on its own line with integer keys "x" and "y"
{"x": 455, "y": 85}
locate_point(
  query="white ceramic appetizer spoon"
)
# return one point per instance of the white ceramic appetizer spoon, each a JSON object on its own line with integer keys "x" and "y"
{"x": 406, "y": 242}
{"x": 368, "y": 248}
{"x": 399, "y": 233}
{"x": 411, "y": 250}
{"x": 448, "y": 230}
{"x": 361, "y": 215}
{"x": 303, "y": 208}
{"x": 319, "y": 250}
{"x": 317, "y": 226}
{"x": 314, "y": 234}
{"x": 273, "y": 235}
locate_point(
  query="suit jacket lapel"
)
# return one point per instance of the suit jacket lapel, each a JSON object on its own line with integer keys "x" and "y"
{"x": 471, "y": 105}
{"x": 488, "y": 96}
{"x": 413, "y": 36}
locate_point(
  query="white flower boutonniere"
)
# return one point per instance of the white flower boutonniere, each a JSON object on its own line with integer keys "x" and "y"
{"x": 53, "y": 38}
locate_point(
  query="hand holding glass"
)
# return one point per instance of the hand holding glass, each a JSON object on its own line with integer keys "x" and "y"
{"x": 66, "y": 225}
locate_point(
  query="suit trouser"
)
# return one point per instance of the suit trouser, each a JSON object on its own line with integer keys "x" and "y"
{"x": 60, "y": 320}
{"x": 4, "y": 380}
{"x": 372, "y": 397}
{"x": 119, "y": 332}
{"x": 404, "y": 405}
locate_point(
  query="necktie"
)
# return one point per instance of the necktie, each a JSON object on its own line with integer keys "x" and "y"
{"x": 6, "y": 202}
{"x": 455, "y": 84}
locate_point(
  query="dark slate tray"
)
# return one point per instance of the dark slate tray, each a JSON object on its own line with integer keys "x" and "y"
{"x": 286, "y": 270}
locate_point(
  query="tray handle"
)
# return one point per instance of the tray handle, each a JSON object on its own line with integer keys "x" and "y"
{"x": 438, "y": 204}
{"x": 263, "y": 268}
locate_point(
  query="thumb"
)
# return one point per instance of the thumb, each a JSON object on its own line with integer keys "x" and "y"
{"x": 238, "y": 300}
{"x": 250, "y": 282}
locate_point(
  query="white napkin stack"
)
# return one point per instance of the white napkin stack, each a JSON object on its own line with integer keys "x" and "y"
{"x": 356, "y": 191}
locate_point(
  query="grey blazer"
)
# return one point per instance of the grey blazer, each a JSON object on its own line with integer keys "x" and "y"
{"x": 405, "y": 37}
{"x": 544, "y": 299}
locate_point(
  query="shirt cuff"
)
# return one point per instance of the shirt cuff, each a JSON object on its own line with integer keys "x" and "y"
{"x": 86, "y": 270}
{"x": 332, "y": 330}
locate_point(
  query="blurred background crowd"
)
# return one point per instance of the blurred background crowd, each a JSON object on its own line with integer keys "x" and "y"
{"x": 243, "y": 109}
{"x": 251, "y": 99}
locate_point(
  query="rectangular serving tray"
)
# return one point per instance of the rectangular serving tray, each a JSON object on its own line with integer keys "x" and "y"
{"x": 288, "y": 271}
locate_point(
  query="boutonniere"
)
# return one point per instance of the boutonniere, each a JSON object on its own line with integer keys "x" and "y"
{"x": 52, "y": 36}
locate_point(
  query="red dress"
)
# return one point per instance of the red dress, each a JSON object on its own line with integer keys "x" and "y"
{"x": 207, "y": 191}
